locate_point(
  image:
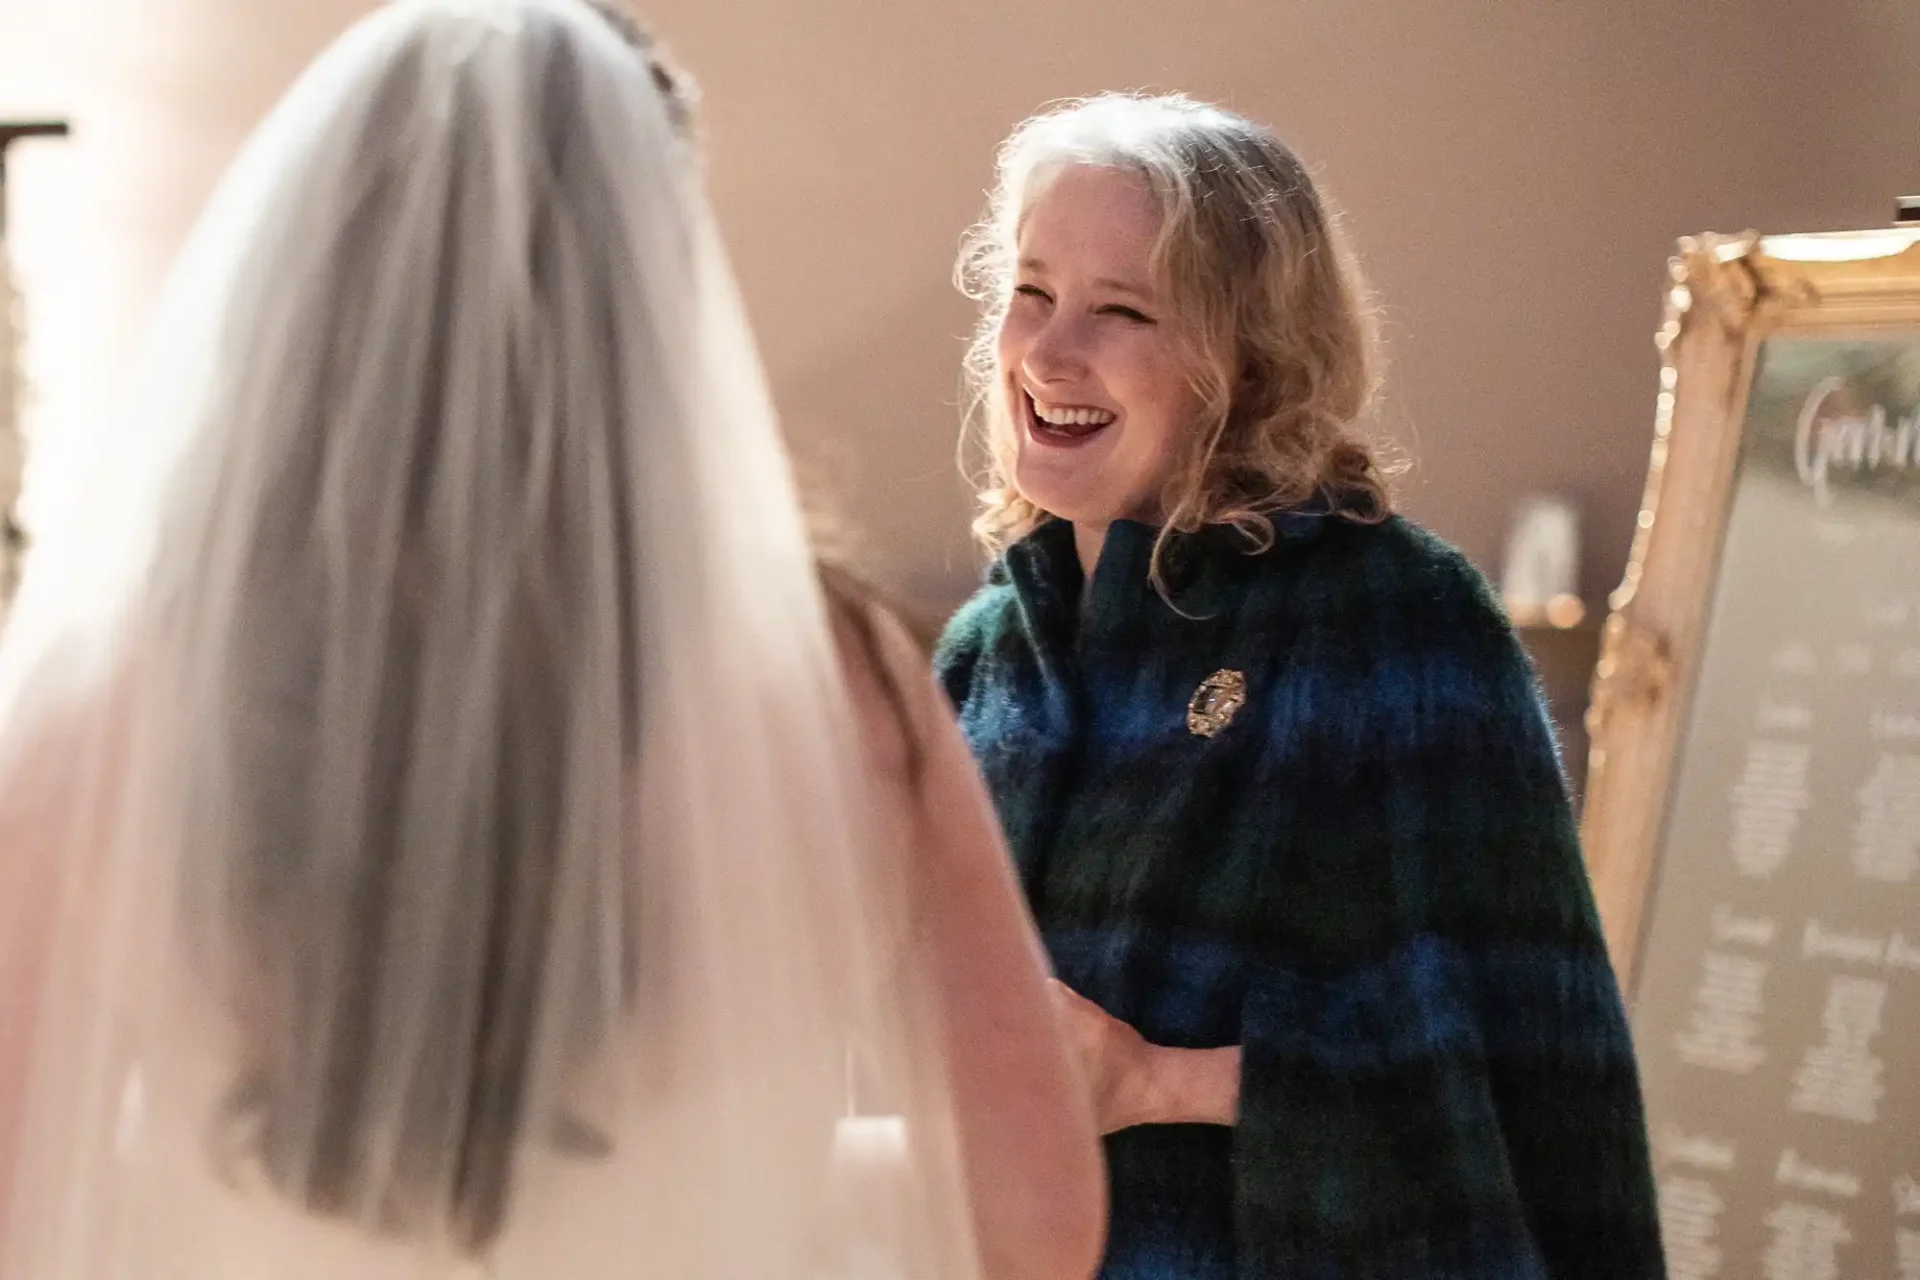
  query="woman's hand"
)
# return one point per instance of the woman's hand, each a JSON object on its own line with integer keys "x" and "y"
{"x": 1133, "y": 1082}
{"x": 1113, "y": 1058}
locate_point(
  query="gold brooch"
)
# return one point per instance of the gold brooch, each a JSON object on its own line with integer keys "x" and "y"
{"x": 1215, "y": 703}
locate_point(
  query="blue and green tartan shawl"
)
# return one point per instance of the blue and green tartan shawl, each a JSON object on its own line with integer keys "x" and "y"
{"x": 1369, "y": 878}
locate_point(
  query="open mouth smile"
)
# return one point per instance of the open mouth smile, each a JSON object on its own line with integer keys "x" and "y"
{"x": 1064, "y": 425}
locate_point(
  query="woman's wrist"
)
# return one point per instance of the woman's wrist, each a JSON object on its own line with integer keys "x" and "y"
{"x": 1185, "y": 1086}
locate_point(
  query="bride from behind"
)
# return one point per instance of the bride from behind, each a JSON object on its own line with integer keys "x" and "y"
{"x": 447, "y": 826}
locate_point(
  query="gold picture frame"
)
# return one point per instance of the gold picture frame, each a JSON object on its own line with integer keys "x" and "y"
{"x": 1726, "y": 295}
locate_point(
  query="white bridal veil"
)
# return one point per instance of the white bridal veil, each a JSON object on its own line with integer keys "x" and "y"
{"x": 431, "y": 828}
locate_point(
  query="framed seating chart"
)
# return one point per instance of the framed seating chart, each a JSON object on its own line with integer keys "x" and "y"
{"x": 1753, "y": 800}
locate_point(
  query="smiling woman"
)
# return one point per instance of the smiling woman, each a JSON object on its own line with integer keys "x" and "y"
{"x": 1277, "y": 776}
{"x": 1098, "y": 386}
{"x": 1247, "y": 405}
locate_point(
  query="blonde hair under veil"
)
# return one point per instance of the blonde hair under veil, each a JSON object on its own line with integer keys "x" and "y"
{"x": 432, "y": 838}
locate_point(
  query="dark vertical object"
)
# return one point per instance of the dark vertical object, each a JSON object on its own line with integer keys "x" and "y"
{"x": 10, "y": 133}
{"x": 13, "y": 537}
{"x": 1564, "y": 659}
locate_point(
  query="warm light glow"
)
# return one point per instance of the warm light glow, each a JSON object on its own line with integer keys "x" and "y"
{"x": 1851, "y": 246}
{"x": 1565, "y": 612}
{"x": 159, "y": 102}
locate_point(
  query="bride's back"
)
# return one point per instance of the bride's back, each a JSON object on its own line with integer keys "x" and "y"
{"x": 458, "y": 851}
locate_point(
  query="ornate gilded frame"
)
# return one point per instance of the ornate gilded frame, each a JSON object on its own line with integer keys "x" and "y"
{"x": 1726, "y": 294}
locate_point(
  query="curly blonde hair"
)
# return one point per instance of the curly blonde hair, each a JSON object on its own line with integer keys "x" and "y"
{"x": 1279, "y": 334}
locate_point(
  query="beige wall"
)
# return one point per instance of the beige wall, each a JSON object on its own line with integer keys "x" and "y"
{"x": 1514, "y": 174}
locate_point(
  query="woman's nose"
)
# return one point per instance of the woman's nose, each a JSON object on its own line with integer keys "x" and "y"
{"x": 1057, "y": 352}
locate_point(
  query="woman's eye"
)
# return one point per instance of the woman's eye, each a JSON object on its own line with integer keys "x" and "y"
{"x": 1031, "y": 291}
{"x": 1127, "y": 313}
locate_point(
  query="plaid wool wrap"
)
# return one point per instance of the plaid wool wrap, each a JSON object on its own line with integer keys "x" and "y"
{"x": 1368, "y": 877}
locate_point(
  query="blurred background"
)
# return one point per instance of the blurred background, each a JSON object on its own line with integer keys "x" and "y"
{"x": 1514, "y": 174}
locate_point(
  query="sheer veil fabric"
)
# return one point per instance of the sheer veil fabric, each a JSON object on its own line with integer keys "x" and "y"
{"x": 433, "y": 838}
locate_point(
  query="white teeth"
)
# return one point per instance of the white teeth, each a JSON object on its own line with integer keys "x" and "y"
{"x": 1080, "y": 417}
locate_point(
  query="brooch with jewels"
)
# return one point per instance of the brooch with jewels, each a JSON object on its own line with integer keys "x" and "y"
{"x": 1216, "y": 702}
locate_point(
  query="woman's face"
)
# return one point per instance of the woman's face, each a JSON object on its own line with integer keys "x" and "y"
{"x": 1089, "y": 362}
